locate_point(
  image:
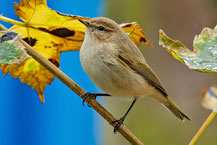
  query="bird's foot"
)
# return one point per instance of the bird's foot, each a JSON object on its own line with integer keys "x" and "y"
{"x": 88, "y": 96}
{"x": 118, "y": 123}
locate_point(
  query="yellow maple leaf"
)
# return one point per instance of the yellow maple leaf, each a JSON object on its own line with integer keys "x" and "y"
{"x": 50, "y": 33}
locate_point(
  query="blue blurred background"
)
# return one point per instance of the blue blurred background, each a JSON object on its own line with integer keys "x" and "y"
{"x": 62, "y": 120}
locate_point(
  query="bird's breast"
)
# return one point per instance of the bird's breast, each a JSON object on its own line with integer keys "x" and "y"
{"x": 104, "y": 69}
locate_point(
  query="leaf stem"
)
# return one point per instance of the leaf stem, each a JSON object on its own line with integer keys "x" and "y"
{"x": 123, "y": 130}
{"x": 202, "y": 128}
{"x": 5, "y": 19}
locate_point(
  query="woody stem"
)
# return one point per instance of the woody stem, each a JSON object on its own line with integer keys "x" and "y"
{"x": 202, "y": 128}
{"x": 124, "y": 131}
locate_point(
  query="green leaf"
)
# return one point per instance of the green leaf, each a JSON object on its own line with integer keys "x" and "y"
{"x": 8, "y": 52}
{"x": 11, "y": 50}
{"x": 204, "y": 55}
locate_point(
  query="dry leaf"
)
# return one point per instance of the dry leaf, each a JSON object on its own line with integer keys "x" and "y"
{"x": 50, "y": 33}
{"x": 135, "y": 33}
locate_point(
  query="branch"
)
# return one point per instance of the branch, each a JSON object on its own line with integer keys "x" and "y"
{"x": 127, "y": 134}
{"x": 202, "y": 128}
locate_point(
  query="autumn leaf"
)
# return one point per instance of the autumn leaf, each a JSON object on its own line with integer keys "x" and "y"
{"x": 50, "y": 33}
{"x": 204, "y": 55}
{"x": 135, "y": 33}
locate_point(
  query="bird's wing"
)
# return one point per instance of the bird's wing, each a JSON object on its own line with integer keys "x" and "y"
{"x": 142, "y": 69}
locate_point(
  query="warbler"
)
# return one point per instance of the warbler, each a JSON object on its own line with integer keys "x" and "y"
{"x": 116, "y": 65}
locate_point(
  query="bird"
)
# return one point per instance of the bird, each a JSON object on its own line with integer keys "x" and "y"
{"x": 116, "y": 65}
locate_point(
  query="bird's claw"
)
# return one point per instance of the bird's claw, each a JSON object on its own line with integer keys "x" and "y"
{"x": 118, "y": 124}
{"x": 88, "y": 96}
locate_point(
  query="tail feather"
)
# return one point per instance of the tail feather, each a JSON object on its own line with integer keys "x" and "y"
{"x": 173, "y": 108}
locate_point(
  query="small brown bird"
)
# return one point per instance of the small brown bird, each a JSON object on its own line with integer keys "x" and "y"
{"x": 116, "y": 65}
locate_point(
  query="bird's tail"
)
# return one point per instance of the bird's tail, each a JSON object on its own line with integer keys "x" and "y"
{"x": 176, "y": 110}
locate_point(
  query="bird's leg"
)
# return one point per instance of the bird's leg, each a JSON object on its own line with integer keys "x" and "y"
{"x": 93, "y": 96}
{"x": 121, "y": 120}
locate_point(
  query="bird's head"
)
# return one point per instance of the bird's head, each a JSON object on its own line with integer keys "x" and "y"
{"x": 102, "y": 29}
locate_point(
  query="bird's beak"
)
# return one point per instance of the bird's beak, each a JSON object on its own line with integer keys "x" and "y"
{"x": 86, "y": 23}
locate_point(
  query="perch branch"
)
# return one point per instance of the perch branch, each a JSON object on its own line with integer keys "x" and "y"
{"x": 123, "y": 130}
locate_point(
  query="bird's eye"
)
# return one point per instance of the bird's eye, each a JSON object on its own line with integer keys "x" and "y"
{"x": 101, "y": 28}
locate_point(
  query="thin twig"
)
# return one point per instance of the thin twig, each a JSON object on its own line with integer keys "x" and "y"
{"x": 79, "y": 91}
{"x": 202, "y": 128}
